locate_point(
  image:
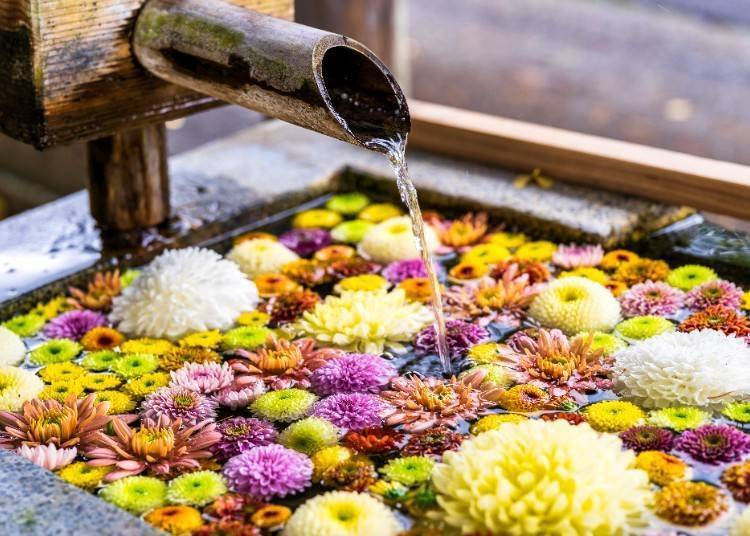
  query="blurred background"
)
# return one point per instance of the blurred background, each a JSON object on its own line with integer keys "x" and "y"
{"x": 668, "y": 73}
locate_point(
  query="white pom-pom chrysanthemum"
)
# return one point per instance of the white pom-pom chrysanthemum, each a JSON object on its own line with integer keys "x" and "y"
{"x": 261, "y": 256}
{"x": 17, "y": 386}
{"x": 183, "y": 291}
{"x": 393, "y": 240}
{"x": 699, "y": 368}
{"x": 12, "y": 349}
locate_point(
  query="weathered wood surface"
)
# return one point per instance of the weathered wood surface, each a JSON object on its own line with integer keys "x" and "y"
{"x": 67, "y": 71}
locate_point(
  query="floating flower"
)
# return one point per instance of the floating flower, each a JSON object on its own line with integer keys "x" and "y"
{"x": 316, "y": 217}
{"x": 74, "y": 324}
{"x": 399, "y": 270}
{"x": 498, "y": 482}
{"x": 525, "y": 398}
{"x": 719, "y": 318}
{"x": 606, "y": 342}
{"x": 182, "y": 291}
{"x": 61, "y": 390}
{"x": 737, "y": 411}
{"x": 393, "y": 240}
{"x": 745, "y": 305}
{"x": 714, "y": 443}
{"x": 691, "y": 275}
{"x": 575, "y": 304}
{"x": 613, "y": 415}
{"x": 196, "y": 489}
{"x": 48, "y": 456}
{"x": 365, "y": 282}
{"x": 641, "y": 270}
{"x": 204, "y": 378}
{"x": 506, "y": 239}
{"x": 280, "y": 365}
{"x": 692, "y": 504}
{"x": 737, "y": 480}
{"x": 52, "y": 308}
{"x": 365, "y": 321}
{"x": 536, "y": 272}
{"x": 464, "y": 231}
{"x": 651, "y": 298}
{"x": 378, "y": 212}
{"x": 270, "y": 516}
{"x": 486, "y": 254}
{"x": 349, "y": 203}
{"x": 261, "y": 256}
{"x": 240, "y": 394}
{"x": 246, "y": 337}
{"x": 146, "y": 384}
{"x": 306, "y": 272}
{"x": 210, "y": 339}
{"x": 309, "y": 435}
{"x": 355, "y": 474}
{"x": 575, "y": 256}
{"x": 409, "y": 471}
{"x": 239, "y": 434}
{"x": 136, "y": 494}
{"x": 147, "y": 345}
{"x": 460, "y": 336}
{"x": 101, "y": 338}
{"x": 178, "y": 403}
{"x": 343, "y": 513}
{"x": 647, "y": 437}
{"x": 540, "y": 251}
{"x": 352, "y": 373}
{"x": 349, "y": 267}
{"x": 640, "y": 328}
{"x": 417, "y": 289}
{"x": 268, "y": 472}
{"x": 253, "y": 318}
{"x": 484, "y": 353}
{"x": 616, "y": 258}
{"x": 55, "y": 351}
{"x": 741, "y": 526}
{"x": 592, "y": 274}
{"x": 284, "y": 405}
{"x": 25, "y": 325}
{"x": 175, "y": 519}
{"x": 662, "y": 468}
{"x": 270, "y": 285}
{"x": 679, "y": 418}
{"x": 82, "y": 475}
{"x": 12, "y": 348}
{"x": 699, "y": 368}
{"x": 432, "y": 442}
{"x": 305, "y": 242}
{"x": 329, "y": 458}
{"x": 118, "y": 402}
{"x": 351, "y": 411}
{"x": 288, "y": 307}
{"x": 373, "y": 440}
{"x": 715, "y": 292}
{"x": 97, "y": 382}
{"x": 495, "y": 375}
{"x": 571, "y": 417}
{"x": 175, "y": 359}
{"x": 494, "y": 421}
{"x": 468, "y": 270}
{"x": 135, "y": 365}
{"x": 61, "y": 371}
{"x": 101, "y": 360}
{"x": 617, "y": 288}
{"x": 100, "y": 292}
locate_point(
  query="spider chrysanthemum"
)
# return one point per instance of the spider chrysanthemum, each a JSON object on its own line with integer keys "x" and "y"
{"x": 182, "y": 291}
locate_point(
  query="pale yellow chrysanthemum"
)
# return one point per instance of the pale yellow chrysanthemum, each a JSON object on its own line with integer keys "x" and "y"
{"x": 261, "y": 256}
{"x": 393, "y": 240}
{"x": 343, "y": 513}
{"x": 365, "y": 321}
{"x": 538, "y": 477}
{"x": 12, "y": 348}
{"x": 575, "y": 304}
{"x": 58, "y": 372}
{"x": 17, "y": 386}
{"x": 741, "y": 526}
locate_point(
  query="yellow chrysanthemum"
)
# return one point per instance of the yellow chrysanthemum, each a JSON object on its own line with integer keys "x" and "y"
{"x": 253, "y": 318}
{"x": 741, "y": 526}
{"x": 61, "y": 390}
{"x": 83, "y": 475}
{"x": 746, "y": 301}
{"x": 175, "y": 519}
{"x": 494, "y": 421}
{"x": 593, "y": 274}
{"x": 489, "y": 253}
{"x": 538, "y": 477}
{"x": 100, "y": 382}
{"x": 17, "y": 386}
{"x": 613, "y": 415}
{"x": 51, "y": 309}
{"x": 147, "y": 346}
{"x": 343, "y": 513}
{"x": 365, "y": 282}
{"x": 147, "y": 384}
{"x": 204, "y": 339}
{"x": 317, "y": 218}
{"x": 662, "y": 468}
{"x": 118, "y": 402}
{"x": 484, "y": 353}
{"x": 58, "y": 372}
{"x": 329, "y": 457}
{"x": 507, "y": 240}
{"x": 575, "y": 304}
{"x": 541, "y": 251}
{"x": 365, "y": 321}
{"x": 378, "y": 212}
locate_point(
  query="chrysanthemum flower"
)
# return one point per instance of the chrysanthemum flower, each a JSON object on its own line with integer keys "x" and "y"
{"x": 692, "y": 504}
{"x": 640, "y": 328}
{"x": 48, "y": 456}
{"x": 495, "y": 375}
{"x": 592, "y": 274}
{"x": 460, "y": 336}
{"x": 260, "y": 256}
{"x": 204, "y": 378}
{"x": 468, "y": 270}
{"x": 210, "y": 339}
{"x": 12, "y": 348}
{"x": 61, "y": 371}
{"x": 270, "y": 285}
{"x": 176, "y": 358}
{"x": 136, "y": 494}
{"x": 179, "y": 403}
{"x": 343, "y": 513}
{"x": 574, "y": 256}
{"x": 101, "y": 360}
{"x": 268, "y": 472}
{"x": 494, "y": 421}
{"x": 253, "y": 318}
{"x": 270, "y": 516}
{"x": 417, "y": 289}
{"x": 433, "y": 442}
{"x": 741, "y": 526}
{"x": 100, "y": 382}
{"x": 61, "y": 390}
{"x": 101, "y": 338}
{"x": 118, "y": 401}
{"x": 351, "y": 232}
{"x": 284, "y": 405}
{"x": 613, "y": 415}
{"x": 699, "y": 368}
{"x": 147, "y": 345}
{"x": 575, "y": 304}
{"x": 348, "y": 203}
{"x": 55, "y": 351}
{"x": 352, "y": 373}
{"x": 379, "y": 440}
{"x": 662, "y": 468}
{"x": 689, "y": 276}
{"x": 175, "y": 519}
{"x": 289, "y": 306}
{"x": 309, "y": 435}
{"x": 641, "y": 270}
{"x": 525, "y": 398}
{"x": 484, "y": 353}
{"x": 612, "y": 260}
{"x": 82, "y": 475}
{"x": 409, "y": 471}
{"x": 737, "y": 411}
{"x": 328, "y": 458}
{"x": 135, "y": 365}
{"x": 74, "y": 324}
{"x": 245, "y": 337}
{"x": 316, "y": 217}
{"x": 679, "y": 418}
{"x": 196, "y": 489}
{"x": 393, "y": 240}
{"x": 239, "y": 434}
{"x": 351, "y": 411}
{"x": 99, "y": 292}
{"x": 397, "y": 271}
{"x": 645, "y": 437}
{"x": 363, "y": 283}
{"x": 737, "y": 480}
{"x": 719, "y": 318}
{"x": 182, "y": 291}
{"x": 715, "y": 292}
{"x": 305, "y": 242}
{"x": 25, "y": 325}
{"x": 606, "y": 342}
{"x": 464, "y": 231}
{"x": 486, "y": 254}
{"x": 651, "y": 298}
{"x": 378, "y": 212}
{"x": 498, "y": 482}
{"x": 541, "y": 251}
{"x": 714, "y": 443}
{"x": 146, "y": 384}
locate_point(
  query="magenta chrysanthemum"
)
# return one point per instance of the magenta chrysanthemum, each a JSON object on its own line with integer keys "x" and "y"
{"x": 397, "y": 271}
{"x": 204, "y": 378}
{"x": 640, "y": 438}
{"x": 575, "y": 256}
{"x": 352, "y": 373}
{"x": 74, "y": 324}
{"x": 460, "y": 337}
{"x": 714, "y": 443}
{"x": 241, "y": 393}
{"x": 305, "y": 242}
{"x": 179, "y": 403}
{"x": 268, "y": 472}
{"x": 651, "y": 298}
{"x": 352, "y": 411}
{"x": 716, "y": 292}
{"x": 240, "y": 434}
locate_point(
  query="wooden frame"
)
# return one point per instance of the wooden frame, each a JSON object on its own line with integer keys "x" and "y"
{"x": 658, "y": 174}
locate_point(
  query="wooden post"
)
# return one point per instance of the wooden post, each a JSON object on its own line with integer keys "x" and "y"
{"x": 128, "y": 181}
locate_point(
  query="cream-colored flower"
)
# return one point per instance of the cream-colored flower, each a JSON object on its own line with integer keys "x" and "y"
{"x": 261, "y": 256}
{"x": 17, "y": 386}
{"x": 393, "y": 240}
{"x": 12, "y": 349}
{"x": 741, "y": 526}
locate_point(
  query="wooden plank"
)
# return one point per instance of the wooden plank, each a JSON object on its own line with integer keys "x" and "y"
{"x": 658, "y": 174}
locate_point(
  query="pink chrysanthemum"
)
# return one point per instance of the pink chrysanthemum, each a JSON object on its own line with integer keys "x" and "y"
{"x": 268, "y": 472}
{"x": 74, "y": 324}
{"x": 48, "y": 456}
{"x": 240, "y": 434}
{"x": 640, "y": 438}
{"x": 352, "y": 411}
{"x": 240, "y": 393}
{"x": 716, "y": 292}
{"x": 204, "y": 378}
{"x": 352, "y": 373}
{"x": 651, "y": 298}
{"x": 714, "y": 443}
{"x": 460, "y": 337}
{"x": 397, "y": 271}
{"x": 179, "y": 403}
{"x": 575, "y": 256}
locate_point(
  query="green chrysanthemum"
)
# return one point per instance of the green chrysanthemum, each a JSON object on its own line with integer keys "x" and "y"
{"x": 100, "y": 382}
{"x": 352, "y": 231}
{"x": 127, "y": 278}
{"x": 83, "y": 475}
{"x": 737, "y": 411}
{"x": 61, "y": 371}
{"x": 691, "y": 275}
{"x": 98, "y": 361}
{"x": 639, "y": 328}
{"x": 349, "y": 203}
{"x": 135, "y": 365}
{"x": 606, "y": 342}
{"x": 60, "y": 391}
{"x": 118, "y": 402}
{"x": 136, "y": 494}
{"x": 409, "y": 471}
{"x": 285, "y": 405}
{"x": 147, "y": 384}
{"x": 25, "y": 325}
{"x": 309, "y": 435}
{"x": 679, "y": 418}
{"x": 247, "y": 337}
{"x": 196, "y": 489}
{"x": 55, "y": 351}
{"x": 484, "y": 353}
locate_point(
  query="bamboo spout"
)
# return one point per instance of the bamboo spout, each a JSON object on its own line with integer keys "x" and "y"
{"x": 305, "y": 76}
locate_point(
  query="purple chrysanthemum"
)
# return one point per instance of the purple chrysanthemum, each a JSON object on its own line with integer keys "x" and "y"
{"x": 716, "y": 292}
{"x": 204, "y": 378}
{"x": 714, "y": 443}
{"x": 651, "y": 298}
{"x": 178, "y": 403}
{"x": 397, "y": 271}
{"x": 352, "y": 373}
{"x": 74, "y": 324}
{"x": 575, "y": 256}
{"x": 240, "y": 393}
{"x": 268, "y": 472}
{"x": 351, "y": 411}
{"x": 640, "y": 438}
{"x": 305, "y": 242}
{"x": 460, "y": 337}
{"x": 240, "y": 434}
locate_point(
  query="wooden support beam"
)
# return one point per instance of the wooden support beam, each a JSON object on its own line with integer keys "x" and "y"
{"x": 658, "y": 174}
